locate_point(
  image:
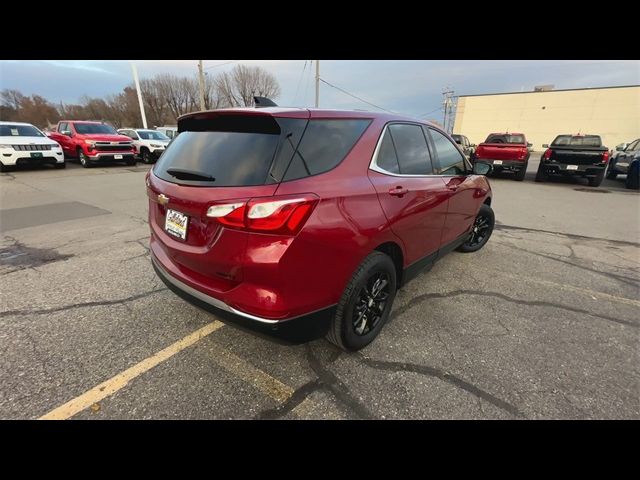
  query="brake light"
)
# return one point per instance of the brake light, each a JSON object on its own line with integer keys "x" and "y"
{"x": 605, "y": 157}
{"x": 547, "y": 154}
{"x": 279, "y": 215}
{"x": 523, "y": 152}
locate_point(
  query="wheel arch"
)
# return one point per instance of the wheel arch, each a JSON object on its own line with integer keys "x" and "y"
{"x": 394, "y": 251}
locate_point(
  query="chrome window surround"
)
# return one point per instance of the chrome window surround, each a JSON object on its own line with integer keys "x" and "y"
{"x": 373, "y": 165}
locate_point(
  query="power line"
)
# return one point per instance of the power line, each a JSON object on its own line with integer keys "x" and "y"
{"x": 220, "y": 64}
{"x": 429, "y": 113}
{"x": 355, "y": 96}
{"x": 299, "y": 82}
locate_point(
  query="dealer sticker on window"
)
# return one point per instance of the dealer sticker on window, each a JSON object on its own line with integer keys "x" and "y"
{"x": 176, "y": 224}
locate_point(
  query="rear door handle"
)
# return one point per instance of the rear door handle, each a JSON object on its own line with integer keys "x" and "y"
{"x": 398, "y": 191}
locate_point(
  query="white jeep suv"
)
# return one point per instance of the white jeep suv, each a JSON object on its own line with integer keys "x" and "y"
{"x": 24, "y": 144}
{"x": 149, "y": 144}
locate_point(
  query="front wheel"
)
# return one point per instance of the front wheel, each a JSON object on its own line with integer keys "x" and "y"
{"x": 84, "y": 160}
{"x": 365, "y": 304}
{"x": 611, "y": 174}
{"x": 147, "y": 157}
{"x": 633, "y": 176}
{"x": 60, "y": 165}
{"x": 481, "y": 230}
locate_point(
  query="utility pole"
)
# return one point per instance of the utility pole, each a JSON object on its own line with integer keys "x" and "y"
{"x": 201, "y": 81}
{"x": 447, "y": 109}
{"x": 317, "y": 83}
{"x": 137, "y": 82}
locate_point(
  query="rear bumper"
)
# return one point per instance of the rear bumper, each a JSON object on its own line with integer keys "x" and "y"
{"x": 510, "y": 165}
{"x": 581, "y": 170}
{"x": 295, "y": 329}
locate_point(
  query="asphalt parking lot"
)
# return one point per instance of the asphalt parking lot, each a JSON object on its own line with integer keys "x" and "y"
{"x": 541, "y": 323}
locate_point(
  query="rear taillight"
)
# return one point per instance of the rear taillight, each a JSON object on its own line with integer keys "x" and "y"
{"x": 276, "y": 215}
{"x": 523, "y": 152}
{"x": 605, "y": 157}
{"x": 547, "y": 154}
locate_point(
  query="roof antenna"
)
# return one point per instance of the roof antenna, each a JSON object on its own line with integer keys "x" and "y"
{"x": 264, "y": 102}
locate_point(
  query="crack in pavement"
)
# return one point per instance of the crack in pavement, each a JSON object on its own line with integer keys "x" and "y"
{"x": 298, "y": 396}
{"x": 537, "y": 303}
{"x": 445, "y": 377}
{"x": 501, "y": 226}
{"x": 339, "y": 390}
{"x": 80, "y": 305}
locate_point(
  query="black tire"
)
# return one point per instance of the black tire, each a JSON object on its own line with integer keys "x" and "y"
{"x": 521, "y": 173}
{"x": 611, "y": 174}
{"x": 481, "y": 231}
{"x": 84, "y": 160}
{"x": 633, "y": 176}
{"x": 59, "y": 166}
{"x": 147, "y": 157}
{"x": 541, "y": 175}
{"x": 597, "y": 180}
{"x": 130, "y": 162}
{"x": 374, "y": 270}
{"x": 4, "y": 168}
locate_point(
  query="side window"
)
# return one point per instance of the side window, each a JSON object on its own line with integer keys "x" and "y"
{"x": 387, "y": 158}
{"x": 411, "y": 149}
{"x": 132, "y": 134}
{"x": 450, "y": 160}
{"x": 62, "y": 127}
{"x": 634, "y": 146}
{"x": 324, "y": 145}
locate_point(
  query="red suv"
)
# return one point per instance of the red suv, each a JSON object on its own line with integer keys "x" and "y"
{"x": 274, "y": 214}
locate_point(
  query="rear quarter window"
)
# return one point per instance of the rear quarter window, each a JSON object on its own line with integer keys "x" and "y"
{"x": 324, "y": 144}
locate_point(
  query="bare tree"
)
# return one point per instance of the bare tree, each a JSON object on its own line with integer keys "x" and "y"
{"x": 238, "y": 87}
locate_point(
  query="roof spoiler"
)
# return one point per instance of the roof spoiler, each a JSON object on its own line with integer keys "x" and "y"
{"x": 264, "y": 102}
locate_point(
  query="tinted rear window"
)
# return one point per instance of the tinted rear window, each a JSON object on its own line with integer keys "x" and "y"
{"x": 324, "y": 145}
{"x": 231, "y": 158}
{"x": 571, "y": 140}
{"x": 504, "y": 138}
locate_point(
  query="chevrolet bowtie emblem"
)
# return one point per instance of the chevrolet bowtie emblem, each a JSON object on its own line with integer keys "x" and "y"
{"x": 163, "y": 199}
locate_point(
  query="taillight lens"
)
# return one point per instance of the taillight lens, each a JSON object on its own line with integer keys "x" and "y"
{"x": 605, "y": 157}
{"x": 276, "y": 215}
{"x": 547, "y": 154}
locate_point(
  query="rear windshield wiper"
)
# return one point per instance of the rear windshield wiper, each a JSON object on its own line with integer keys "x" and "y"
{"x": 184, "y": 174}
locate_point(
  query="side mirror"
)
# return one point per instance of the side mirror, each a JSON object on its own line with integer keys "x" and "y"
{"x": 473, "y": 145}
{"x": 621, "y": 147}
{"x": 481, "y": 168}
{"x": 529, "y": 144}
{"x": 67, "y": 133}
{"x": 545, "y": 145}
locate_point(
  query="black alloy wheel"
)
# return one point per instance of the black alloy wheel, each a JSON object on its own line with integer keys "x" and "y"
{"x": 370, "y": 304}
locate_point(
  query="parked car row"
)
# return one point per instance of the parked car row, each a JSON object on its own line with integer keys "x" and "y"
{"x": 90, "y": 142}
{"x": 568, "y": 155}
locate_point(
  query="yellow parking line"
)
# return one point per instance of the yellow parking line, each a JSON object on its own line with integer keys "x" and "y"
{"x": 264, "y": 382}
{"x": 111, "y": 386}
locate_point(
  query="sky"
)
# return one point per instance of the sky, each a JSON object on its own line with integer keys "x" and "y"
{"x": 410, "y": 87}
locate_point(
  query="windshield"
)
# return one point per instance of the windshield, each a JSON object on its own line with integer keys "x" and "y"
{"x": 152, "y": 135}
{"x": 575, "y": 140}
{"x": 504, "y": 138}
{"x": 20, "y": 131}
{"x": 92, "y": 128}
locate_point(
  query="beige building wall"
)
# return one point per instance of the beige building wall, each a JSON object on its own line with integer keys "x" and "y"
{"x": 613, "y": 113}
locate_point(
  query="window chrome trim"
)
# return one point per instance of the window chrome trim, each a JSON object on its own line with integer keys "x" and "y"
{"x": 373, "y": 165}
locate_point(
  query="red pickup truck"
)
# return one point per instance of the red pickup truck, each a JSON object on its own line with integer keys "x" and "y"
{"x": 92, "y": 142}
{"x": 506, "y": 152}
